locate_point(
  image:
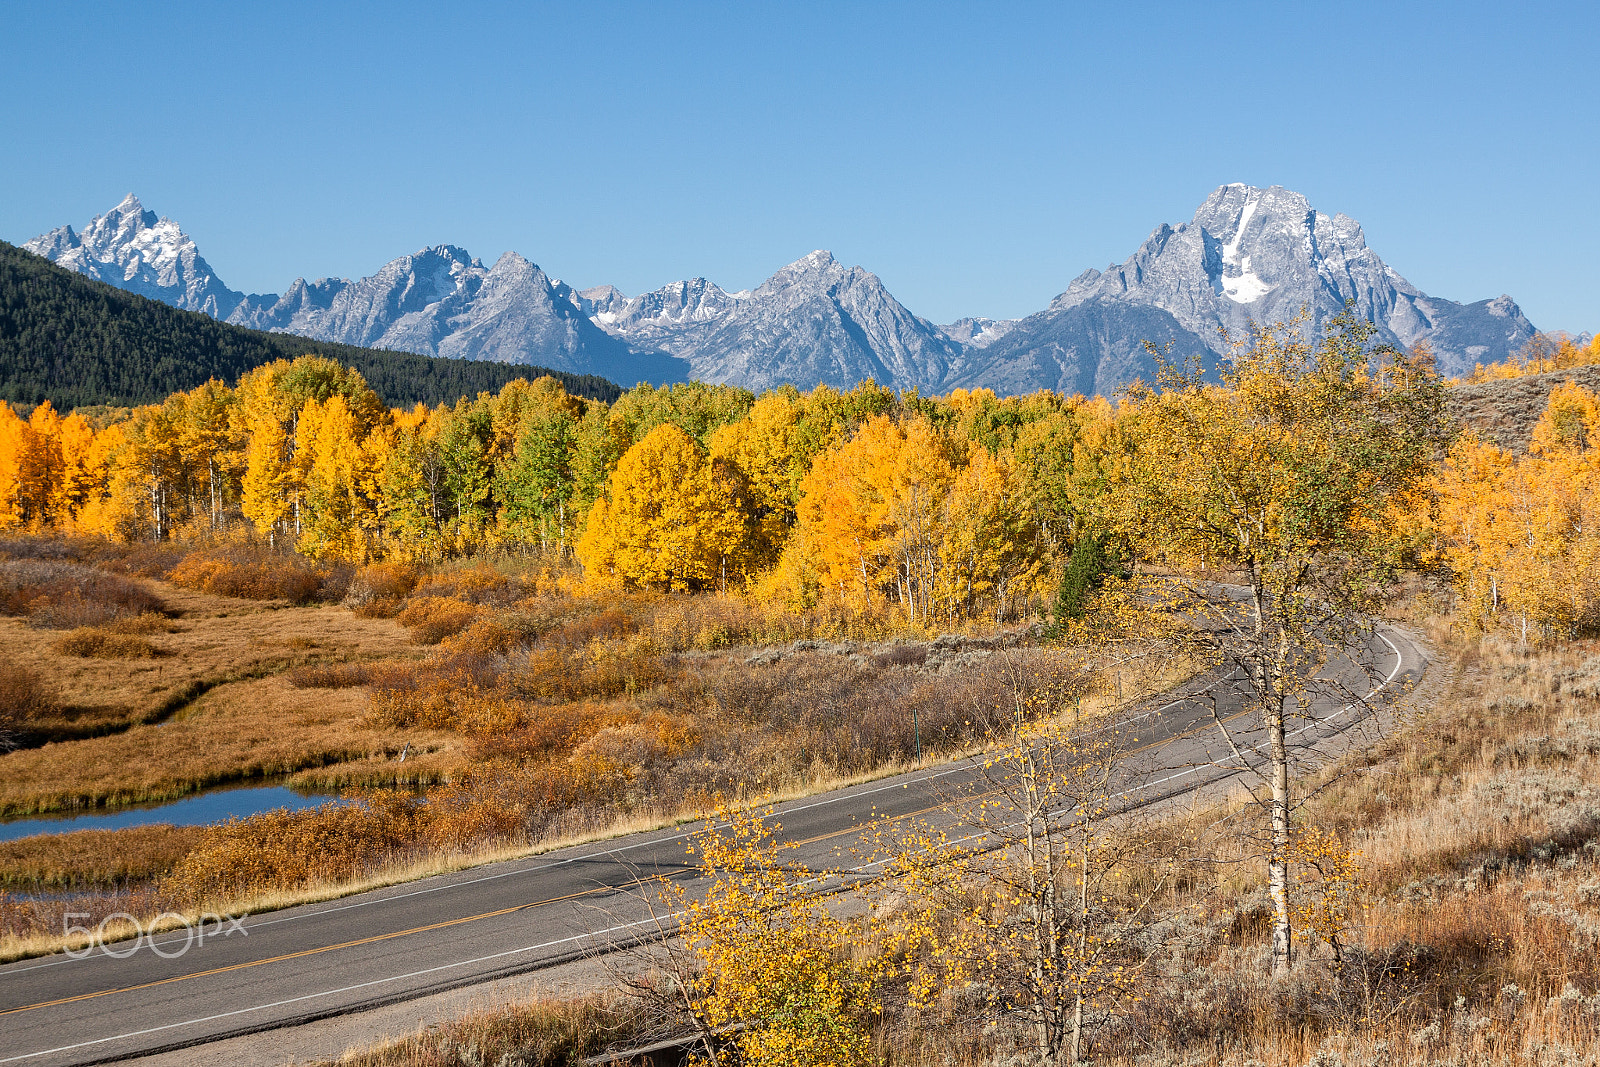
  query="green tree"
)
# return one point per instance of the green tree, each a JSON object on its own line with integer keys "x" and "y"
{"x": 1090, "y": 564}
{"x": 537, "y": 486}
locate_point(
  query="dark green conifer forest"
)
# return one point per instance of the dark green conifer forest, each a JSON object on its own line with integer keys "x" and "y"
{"x": 77, "y": 342}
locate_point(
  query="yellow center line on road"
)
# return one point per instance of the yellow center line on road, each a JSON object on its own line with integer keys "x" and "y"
{"x": 309, "y": 951}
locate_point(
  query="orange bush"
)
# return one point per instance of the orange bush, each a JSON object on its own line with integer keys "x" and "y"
{"x": 291, "y": 849}
{"x": 250, "y": 573}
{"x": 379, "y": 590}
{"x": 545, "y": 731}
{"x": 433, "y": 618}
{"x": 601, "y": 626}
{"x": 474, "y": 585}
{"x": 485, "y": 637}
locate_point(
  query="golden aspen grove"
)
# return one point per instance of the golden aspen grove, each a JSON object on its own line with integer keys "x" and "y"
{"x": 938, "y": 508}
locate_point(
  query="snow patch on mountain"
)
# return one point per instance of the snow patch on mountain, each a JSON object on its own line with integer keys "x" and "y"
{"x": 135, "y": 250}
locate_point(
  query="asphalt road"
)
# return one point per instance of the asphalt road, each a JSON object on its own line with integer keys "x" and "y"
{"x": 395, "y": 944}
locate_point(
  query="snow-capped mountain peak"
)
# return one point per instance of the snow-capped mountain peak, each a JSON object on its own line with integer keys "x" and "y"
{"x": 133, "y": 249}
{"x": 1249, "y": 254}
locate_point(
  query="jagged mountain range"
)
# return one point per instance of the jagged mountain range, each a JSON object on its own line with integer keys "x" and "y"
{"x": 1247, "y": 254}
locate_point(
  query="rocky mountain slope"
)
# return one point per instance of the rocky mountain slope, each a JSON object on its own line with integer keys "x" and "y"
{"x": 132, "y": 249}
{"x": 1248, "y": 254}
{"x": 1505, "y": 410}
{"x": 442, "y": 302}
{"x": 76, "y": 342}
{"x": 813, "y": 322}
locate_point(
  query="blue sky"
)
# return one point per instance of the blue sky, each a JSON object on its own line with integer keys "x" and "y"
{"x": 975, "y": 156}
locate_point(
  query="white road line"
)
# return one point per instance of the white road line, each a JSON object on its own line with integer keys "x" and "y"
{"x": 324, "y": 993}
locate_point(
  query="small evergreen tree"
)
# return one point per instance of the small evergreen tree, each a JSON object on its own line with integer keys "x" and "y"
{"x": 1091, "y": 562}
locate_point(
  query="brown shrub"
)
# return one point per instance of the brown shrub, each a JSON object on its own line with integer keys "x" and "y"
{"x": 544, "y": 731}
{"x": 857, "y": 718}
{"x": 485, "y": 637}
{"x": 429, "y": 694}
{"x": 292, "y": 849}
{"x": 103, "y": 858}
{"x": 330, "y": 676}
{"x": 601, "y": 626}
{"x": 487, "y": 803}
{"x": 148, "y": 623}
{"x": 23, "y": 547}
{"x": 473, "y": 585}
{"x": 146, "y": 559}
{"x": 602, "y": 669}
{"x": 24, "y": 698}
{"x": 433, "y": 618}
{"x": 60, "y": 596}
{"x": 92, "y": 642}
{"x": 251, "y": 573}
{"x": 379, "y": 590}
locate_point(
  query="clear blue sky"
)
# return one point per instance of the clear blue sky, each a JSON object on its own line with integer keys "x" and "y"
{"x": 975, "y": 156}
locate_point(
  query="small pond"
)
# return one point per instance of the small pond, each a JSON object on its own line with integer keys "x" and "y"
{"x": 200, "y": 810}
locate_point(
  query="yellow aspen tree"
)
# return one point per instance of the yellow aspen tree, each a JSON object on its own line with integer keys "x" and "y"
{"x": 411, "y": 492}
{"x": 337, "y": 514}
{"x": 870, "y": 512}
{"x": 104, "y": 511}
{"x": 776, "y": 961}
{"x": 988, "y": 551}
{"x": 766, "y": 449}
{"x": 208, "y": 445}
{"x": 674, "y": 519}
{"x": 44, "y": 484}
{"x": 16, "y": 459}
{"x": 266, "y": 417}
{"x": 1057, "y": 912}
{"x": 1327, "y": 887}
{"x": 268, "y": 488}
{"x": 1284, "y": 474}
{"x": 83, "y": 470}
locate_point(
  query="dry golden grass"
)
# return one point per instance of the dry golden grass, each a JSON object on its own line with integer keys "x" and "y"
{"x": 239, "y": 730}
{"x": 213, "y": 640}
{"x": 538, "y": 1033}
{"x": 94, "y": 642}
{"x": 94, "y": 858}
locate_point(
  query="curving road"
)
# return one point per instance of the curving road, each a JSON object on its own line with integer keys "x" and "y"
{"x": 412, "y": 940}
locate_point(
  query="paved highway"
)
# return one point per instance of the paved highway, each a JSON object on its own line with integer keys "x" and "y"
{"x": 407, "y": 941}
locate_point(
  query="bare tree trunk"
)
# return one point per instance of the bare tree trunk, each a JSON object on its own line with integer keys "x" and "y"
{"x": 1270, "y": 685}
{"x": 1083, "y": 942}
{"x": 1278, "y": 860}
